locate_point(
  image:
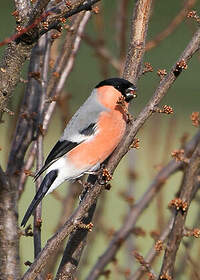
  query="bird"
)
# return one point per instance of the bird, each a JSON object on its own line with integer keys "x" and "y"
{"x": 89, "y": 138}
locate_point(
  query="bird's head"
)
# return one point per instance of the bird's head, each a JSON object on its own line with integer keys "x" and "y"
{"x": 126, "y": 88}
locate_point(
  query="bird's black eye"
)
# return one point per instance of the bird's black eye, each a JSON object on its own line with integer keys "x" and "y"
{"x": 130, "y": 93}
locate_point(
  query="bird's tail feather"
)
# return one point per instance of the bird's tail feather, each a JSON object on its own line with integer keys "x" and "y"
{"x": 45, "y": 185}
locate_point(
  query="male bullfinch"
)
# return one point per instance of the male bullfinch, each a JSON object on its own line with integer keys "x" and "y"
{"x": 89, "y": 138}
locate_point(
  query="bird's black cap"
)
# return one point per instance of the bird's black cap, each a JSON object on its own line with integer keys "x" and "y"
{"x": 121, "y": 85}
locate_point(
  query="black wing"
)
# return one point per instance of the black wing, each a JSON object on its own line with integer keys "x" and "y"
{"x": 61, "y": 148}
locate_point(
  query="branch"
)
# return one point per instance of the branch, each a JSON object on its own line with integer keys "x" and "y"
{"x": 65, "y": 62}
{"x": 24, "y": 135}
{"x": 136, "y": 47}
{"x": 137, "y": 209}
{"x": 54, "y": 17}
{"x": 13, "y": 60}
{"x": 44, "y": 45}
{"x": 68, "y": 206}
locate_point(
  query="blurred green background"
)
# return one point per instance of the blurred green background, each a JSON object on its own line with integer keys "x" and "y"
{"x": 159, "y": 136}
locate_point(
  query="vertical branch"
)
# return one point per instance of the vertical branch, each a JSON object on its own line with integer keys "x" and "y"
{"x": 44, "y": 49}
{"x": 136, "y": 47}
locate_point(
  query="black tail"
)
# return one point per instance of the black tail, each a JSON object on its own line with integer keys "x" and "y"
{"x": 45, "y": 185}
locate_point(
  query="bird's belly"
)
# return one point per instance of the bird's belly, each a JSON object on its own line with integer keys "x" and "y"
{"x": 111, "y": 128}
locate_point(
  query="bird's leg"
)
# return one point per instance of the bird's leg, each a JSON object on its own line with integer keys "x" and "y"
{"x": 103, "y": 177}
{"x": 86, "y": 188}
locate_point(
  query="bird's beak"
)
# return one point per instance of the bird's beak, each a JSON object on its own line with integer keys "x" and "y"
{"x": 130, "y": 93}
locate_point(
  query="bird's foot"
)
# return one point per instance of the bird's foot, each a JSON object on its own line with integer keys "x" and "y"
{"x": 86, "y": 188}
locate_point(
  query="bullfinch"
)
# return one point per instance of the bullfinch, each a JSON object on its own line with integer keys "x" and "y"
{"x": 89, "y": 138}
